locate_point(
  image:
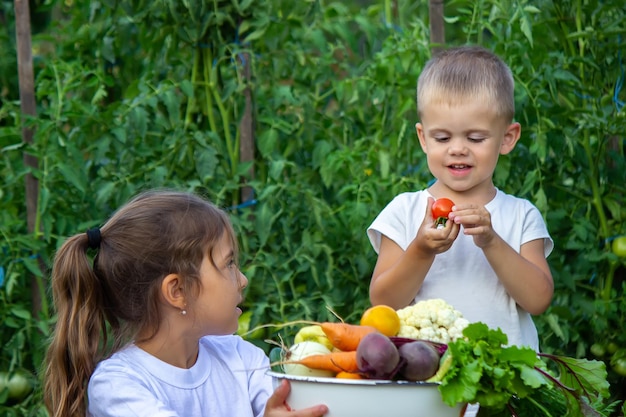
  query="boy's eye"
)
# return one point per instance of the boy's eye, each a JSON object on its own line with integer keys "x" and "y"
{"x": 476, "y": 139}
{"x": 441, "y": 138}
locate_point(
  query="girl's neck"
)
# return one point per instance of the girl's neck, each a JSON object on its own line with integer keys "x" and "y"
{"x": 177, "y": 350}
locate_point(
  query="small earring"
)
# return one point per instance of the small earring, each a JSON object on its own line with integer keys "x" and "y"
{"x": 183, "y": 312}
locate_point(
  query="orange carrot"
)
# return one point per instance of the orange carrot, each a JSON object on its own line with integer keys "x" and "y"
{"x": 349, "y": 375}
{"x": 345, "y": 336}
{"x": 335, "y": 361}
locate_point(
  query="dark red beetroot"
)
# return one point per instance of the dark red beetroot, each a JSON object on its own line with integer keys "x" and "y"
{"x": 421, "y": 361}
{"x": 399, "y": 341}
{"x": 377, "y": 357}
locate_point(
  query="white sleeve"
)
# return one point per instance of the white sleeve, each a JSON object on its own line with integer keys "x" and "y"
{"x": 399, "y": 220}
{"x": 259, "y": 383}
{"x": 132, "y": 397}
{"x": 535, "y": 228}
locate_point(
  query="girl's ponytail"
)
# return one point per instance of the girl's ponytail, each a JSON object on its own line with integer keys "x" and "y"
{"x": 79, "y": 338}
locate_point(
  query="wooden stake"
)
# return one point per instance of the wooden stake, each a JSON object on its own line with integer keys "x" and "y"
{"x": 29, "y": 108}
{"x": 246, "y": 128}
{"x": 437, "y": 25}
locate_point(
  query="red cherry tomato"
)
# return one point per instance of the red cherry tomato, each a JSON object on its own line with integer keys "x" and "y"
{"x": 442, "y": 208}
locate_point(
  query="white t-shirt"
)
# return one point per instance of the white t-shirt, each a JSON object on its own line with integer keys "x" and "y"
{"x": 227, "y": 380}
{"x": 462, "y": 276}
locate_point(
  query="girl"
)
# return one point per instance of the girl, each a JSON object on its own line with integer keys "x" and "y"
{"x": 164, "y": 278}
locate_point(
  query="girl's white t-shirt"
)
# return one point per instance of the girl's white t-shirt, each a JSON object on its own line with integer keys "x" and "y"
{"x": 462, "y": 275}
{"x": 228, "y": 379}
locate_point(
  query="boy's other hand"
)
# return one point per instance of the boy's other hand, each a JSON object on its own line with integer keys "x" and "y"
{"x": 476, "y": 222}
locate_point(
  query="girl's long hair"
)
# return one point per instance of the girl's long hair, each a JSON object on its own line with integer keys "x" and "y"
{"x": 101, "y": 306}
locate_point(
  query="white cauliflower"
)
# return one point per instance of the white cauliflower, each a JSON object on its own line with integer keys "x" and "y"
{"x": 433, "y": 320}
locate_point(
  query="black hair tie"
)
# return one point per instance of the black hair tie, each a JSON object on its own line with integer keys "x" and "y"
{"x": 94, "y": 238}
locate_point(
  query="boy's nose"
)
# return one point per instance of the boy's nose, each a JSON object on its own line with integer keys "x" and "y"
{"x": 457, "y": 147}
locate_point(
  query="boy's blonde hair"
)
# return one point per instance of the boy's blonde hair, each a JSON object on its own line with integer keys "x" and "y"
{"x": 467, "y": 72}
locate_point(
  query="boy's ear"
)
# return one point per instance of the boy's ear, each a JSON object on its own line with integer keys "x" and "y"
{"x": 511, "y": 136}
{"x": 419, "y": 128}
{"x": 172, "y": 291}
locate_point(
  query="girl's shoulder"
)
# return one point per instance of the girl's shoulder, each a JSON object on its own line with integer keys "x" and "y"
{"x": 227, "y": 345}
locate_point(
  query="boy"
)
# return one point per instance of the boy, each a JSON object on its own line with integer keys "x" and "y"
{"x": 489, "y": 261}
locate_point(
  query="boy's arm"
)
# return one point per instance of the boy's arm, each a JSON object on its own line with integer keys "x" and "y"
{"x": 398, "y": 274}
{"x": 526, "y": 275}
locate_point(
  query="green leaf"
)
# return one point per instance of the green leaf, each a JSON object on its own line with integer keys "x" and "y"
{"x": 268, "y": 142}
{"x": 531, "y": 9}
{"x": 21, "y": 313}
{"x": 71, "y": 175}
{"x": 583, "y": 375}
{"x": 384, "y": 160}
{"x": 541, "y": 200}
{"x": 206, "y": 163}
{"x": 481, "y": 332}
{"x": 276, "y": 168}
{"x": 553, "y": 322}
{"x": 100, "y": 94}
{"x": 519, "y": 355}
{"x": 187, "y": 88}
{"x": 532, "y": 378}
{"x": 255, "y": 35}
{"x": 526, "y": 28}
{"x": 104, "y": 192}
{"x": 265, "y": 221}
{"x": 463, "y": 387}
{"x": 172, "y": 104}
{"x": 33, "y": 266}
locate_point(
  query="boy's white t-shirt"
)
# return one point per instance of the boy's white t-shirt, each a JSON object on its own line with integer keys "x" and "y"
{"x": 462, "y": 275}
{"x": 228, "y": 379}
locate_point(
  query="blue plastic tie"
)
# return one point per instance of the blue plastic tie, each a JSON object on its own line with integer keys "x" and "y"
{"x": 620, "y": 80}
{"x": 243, "y": 205}
{"x": 593, "y": 278}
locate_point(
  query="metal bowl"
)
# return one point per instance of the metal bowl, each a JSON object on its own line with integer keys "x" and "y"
{"x": 367, "y": 397}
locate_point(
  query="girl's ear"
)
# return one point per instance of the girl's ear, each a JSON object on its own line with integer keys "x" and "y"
{"x": 511, "y": 136}
{"x": 172, "y": 291}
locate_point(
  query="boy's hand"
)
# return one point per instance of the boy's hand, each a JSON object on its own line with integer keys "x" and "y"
{"x": 432, "y": 240}
{"x": 277, "y": 407}
{"x": 476, "y": 222}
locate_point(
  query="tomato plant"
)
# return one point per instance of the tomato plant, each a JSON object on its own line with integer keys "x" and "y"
{"x": 619, "y": 366}
{"x": 18, "y": 384}
{"x": 441, "y": 210}
{"x": 597, "y": 350}
{"x": 619, "y": 246}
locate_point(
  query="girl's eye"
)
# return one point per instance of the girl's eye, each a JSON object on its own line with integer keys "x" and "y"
{"x": 441, "y": 138}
